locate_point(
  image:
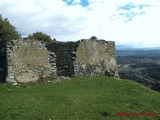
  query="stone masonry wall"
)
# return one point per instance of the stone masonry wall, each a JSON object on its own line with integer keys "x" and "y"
{"x": 95, "y": 57}
{"x": 29, "y": 60}
{"x": 85, "y": 57}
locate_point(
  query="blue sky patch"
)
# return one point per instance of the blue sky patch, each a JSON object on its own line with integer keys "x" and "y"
{"x": 128, "y": 16}
{"x": 129, "y": 11}
{"x": 69, "y": 2}
{"x": 130, "y": 6}
{"x": 83, "y": 3}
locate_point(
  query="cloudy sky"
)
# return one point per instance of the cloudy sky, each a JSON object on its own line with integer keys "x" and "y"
{"x": 131, "y": 22}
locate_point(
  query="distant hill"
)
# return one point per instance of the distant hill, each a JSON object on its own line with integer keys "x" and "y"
{"x": 139, "y": 52}
{"x": 130, "y": 47}
{"x": 124, "y": 47}
{"x": 142, "y": 66}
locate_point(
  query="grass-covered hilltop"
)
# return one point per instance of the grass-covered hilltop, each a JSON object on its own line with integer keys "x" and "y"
{"x": 81, "y": 98}
{"x": 40, "y": 58}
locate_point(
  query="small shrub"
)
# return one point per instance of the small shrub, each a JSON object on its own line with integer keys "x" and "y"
{"x": 93, "y": 38}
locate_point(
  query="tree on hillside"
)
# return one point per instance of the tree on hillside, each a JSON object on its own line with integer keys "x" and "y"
{"x": 40, "y": 36}
{"x": 7, "y": 30}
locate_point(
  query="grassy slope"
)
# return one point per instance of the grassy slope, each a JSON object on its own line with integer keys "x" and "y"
{"x": 80, "y": 98}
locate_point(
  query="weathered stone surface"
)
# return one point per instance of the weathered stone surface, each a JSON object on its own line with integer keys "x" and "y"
{"x": 29, "y": 61}
{"x": 95, "y": 57}
{"x": 85, "y": 57}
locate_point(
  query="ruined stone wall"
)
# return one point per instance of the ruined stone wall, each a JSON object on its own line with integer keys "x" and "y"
{"x": 96, "y": 57}
{"x": 29, "y": 60}
{"x": 85, "y": 57}
{"x": 63, "y": 51}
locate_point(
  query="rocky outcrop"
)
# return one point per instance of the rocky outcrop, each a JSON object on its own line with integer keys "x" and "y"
{"x": 29, "y": 61}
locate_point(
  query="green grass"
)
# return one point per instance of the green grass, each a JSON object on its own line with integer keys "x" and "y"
{"x": 81, "y": 98}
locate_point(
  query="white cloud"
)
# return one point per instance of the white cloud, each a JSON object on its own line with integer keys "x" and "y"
{"x": 75, "y": 22}
{"x": 77, "y": 1}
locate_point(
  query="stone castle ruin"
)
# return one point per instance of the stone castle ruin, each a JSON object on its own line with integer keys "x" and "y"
{"x": 85, "y": 57}
{"x": 30, "y": 60}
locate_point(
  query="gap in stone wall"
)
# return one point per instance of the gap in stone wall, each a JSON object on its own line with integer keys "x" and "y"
{"x": 3, "y": 62}
{"x": 64, "y": 61}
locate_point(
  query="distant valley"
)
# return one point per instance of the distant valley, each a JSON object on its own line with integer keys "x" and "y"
{"x": 140, "y": 65}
